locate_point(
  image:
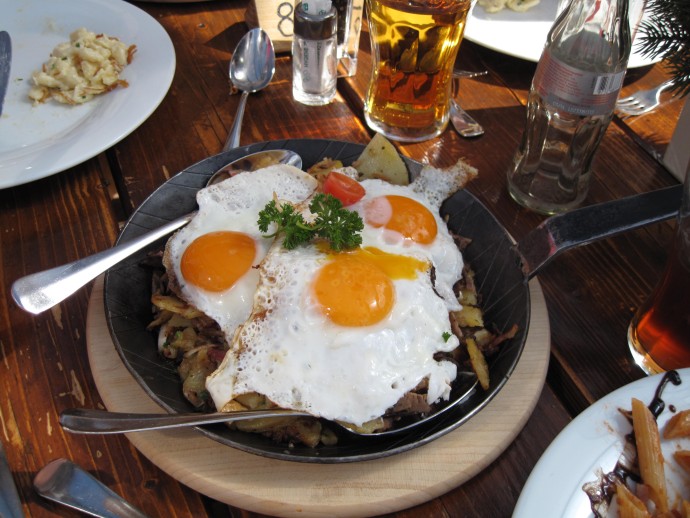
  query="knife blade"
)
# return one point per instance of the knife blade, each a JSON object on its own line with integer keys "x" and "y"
{"x": 5, "y": 62}
{"x": 10, "y": 505}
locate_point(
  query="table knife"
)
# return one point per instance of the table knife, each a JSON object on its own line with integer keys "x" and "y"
{"x": 5, "y": 61}
{"x": 10, "y": 505}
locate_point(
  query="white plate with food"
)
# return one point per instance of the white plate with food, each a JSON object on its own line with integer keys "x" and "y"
{"x": 593, "y": 444}
{"x": 41, "y": 140}
{"x": 523, "y": 34}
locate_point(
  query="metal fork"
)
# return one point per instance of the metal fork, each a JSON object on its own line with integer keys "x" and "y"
{"x": 643, "y": 101}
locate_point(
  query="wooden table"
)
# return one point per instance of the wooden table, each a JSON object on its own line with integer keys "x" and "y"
{"x": 591, "y": 292}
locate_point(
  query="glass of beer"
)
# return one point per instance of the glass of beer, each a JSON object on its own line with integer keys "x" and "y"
{"x": 659, "y": 334}
{"x": 414, "y": 46}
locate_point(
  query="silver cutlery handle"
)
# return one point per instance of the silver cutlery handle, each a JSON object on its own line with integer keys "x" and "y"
{"x": 64, "y": 482}
{"x": 40, "y": 291}
{"x": 593, "y": 222}
{"x": 10, "y": 505}
{"x": 233, "y": 140}
{"x": 85, "y": 420}
{"x": 5, "y": 64}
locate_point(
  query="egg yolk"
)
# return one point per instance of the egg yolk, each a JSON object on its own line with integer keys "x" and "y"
{"x": 356, "y": 288}
{"x": 353, "y": 291}
{"x": 217, "y": 260}
{"x": 403, "y": 215}
{"x": 393, "y": 265}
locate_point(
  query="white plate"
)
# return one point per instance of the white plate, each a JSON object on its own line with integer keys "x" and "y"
{"x": 37, "y": 141}
{"x": 522, "y": 35}
{"x": 595, "y": 440}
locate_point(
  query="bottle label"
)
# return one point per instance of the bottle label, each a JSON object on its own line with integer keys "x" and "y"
{"x": 312, "y": 65}
{"x": 570, "y": 89}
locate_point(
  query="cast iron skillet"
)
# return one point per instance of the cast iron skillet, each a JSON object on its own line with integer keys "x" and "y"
{"x": 501, "y": 272}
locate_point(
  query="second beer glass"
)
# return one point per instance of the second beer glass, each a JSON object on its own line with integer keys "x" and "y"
{"x": 414, "y": 46}
{"x": 659, "y": 334}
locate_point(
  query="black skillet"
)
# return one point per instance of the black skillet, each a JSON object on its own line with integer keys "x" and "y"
{"x": 502, "y": 270}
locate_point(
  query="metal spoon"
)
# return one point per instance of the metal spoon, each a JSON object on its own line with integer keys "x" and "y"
{"x": 40, "y": 291}
{"x": 251, "y": 69}
{"x": 64, "y": 482}
{"x": 90, "y": 421}
{"x": 463, "y": 123}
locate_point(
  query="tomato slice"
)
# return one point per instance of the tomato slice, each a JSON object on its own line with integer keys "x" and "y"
{"x": 346, "y": 189}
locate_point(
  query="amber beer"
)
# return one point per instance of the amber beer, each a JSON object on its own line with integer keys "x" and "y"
{"x": 659, "y": 334}
{"x": 414, "y": 46}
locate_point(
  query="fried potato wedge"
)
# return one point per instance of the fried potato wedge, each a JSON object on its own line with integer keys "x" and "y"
{"x": 381, "y": 160}
{"x": 479, "y": 365}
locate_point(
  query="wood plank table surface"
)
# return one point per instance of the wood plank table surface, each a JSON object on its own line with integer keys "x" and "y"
{"x": 591, "y": 292}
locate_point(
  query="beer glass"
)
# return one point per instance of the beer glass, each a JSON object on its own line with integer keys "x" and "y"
{"x": 659, "y": 334}
{"x": 414, "y": 46}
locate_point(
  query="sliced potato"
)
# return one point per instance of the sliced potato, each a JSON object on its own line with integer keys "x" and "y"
{"x": 321, "y": 169}
{"x": 479, "y": 365}
{"x": 468, "y": 297}
{"x": 175, "y": 305}
{"x": 369, "y": 427}
{"x": 483, "y": 337}
{"x": 263, "y": 424}
{"x": 233, "y": 406}
{"x": 380, "y": 159}
{"x": 252, "y": 400}
{"x": 470, "y": 316}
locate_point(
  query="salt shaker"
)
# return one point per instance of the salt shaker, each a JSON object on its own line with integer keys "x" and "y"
{"x": 314, "y": 52}
{"x": 570, "y": 105}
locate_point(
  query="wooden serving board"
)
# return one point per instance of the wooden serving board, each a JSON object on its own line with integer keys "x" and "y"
{"x": 284, "y": 488}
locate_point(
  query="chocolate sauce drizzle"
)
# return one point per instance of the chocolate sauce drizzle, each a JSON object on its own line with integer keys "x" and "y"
{"x": 657, "y": 405}
{"x": 601, "y": 491}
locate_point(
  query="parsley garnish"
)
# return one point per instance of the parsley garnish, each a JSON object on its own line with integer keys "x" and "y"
{"x": 339, "y": 226}
{"x": 446, "y": 336}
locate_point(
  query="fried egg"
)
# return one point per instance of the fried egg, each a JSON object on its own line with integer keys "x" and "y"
{"x": 212, "y": 261}
{"x": 341, "y": 335}
{"x": 406, "y": 220}
{"x": 345, "y": 335}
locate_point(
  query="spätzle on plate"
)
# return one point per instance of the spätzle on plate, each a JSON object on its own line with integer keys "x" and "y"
{"x": 87, "y": 65}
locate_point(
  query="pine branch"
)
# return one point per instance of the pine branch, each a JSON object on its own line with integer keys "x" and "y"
{"x": 666, "y": 34}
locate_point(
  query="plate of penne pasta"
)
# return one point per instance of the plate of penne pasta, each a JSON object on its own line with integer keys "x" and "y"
{"x": 627, "y": 455}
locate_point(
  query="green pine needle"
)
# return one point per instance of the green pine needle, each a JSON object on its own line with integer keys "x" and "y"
{"x": 666, "y": 34}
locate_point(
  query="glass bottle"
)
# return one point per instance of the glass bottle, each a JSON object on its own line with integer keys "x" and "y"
{"x": 570, "y": 104}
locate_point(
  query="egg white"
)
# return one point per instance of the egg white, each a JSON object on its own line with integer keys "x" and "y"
{"x": 234, "y": 205}
{"x": 428, "y": 189}
{"x": 293, "y": 354}
{"x": 290, "y": 352}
